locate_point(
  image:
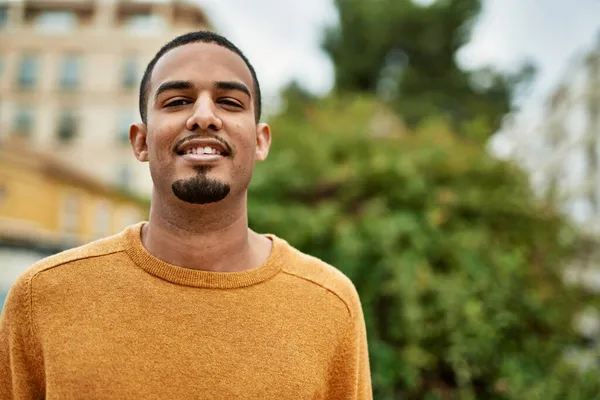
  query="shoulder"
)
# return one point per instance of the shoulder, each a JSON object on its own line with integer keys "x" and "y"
{"x": 19, "y": 297}
{"x": 102, "y": 247}
{"x": 314, "y": 271}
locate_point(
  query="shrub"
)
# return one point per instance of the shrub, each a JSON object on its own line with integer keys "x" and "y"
{"x": 458, "y": 268}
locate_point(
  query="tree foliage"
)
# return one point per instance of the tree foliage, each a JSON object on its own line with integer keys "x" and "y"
{"x": 458, "y": 269}
{"x": 407, "y": 53}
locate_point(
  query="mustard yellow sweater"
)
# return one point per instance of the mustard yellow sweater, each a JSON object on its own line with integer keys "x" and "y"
{"x": 110, "y": 321}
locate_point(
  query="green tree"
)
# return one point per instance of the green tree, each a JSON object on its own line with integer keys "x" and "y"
{"x": 407, "y": 53}
{"x": 458, "y": 268}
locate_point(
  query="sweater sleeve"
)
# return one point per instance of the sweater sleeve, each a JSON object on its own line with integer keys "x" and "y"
{"x": 21, "y": 368}
{"x": 350, "y": 375}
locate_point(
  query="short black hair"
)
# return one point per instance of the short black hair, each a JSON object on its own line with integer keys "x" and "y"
{"x": 194, "y": 37}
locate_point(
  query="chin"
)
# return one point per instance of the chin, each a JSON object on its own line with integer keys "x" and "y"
{"x": 201, "y": 188}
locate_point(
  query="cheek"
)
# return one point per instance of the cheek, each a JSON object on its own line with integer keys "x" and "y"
{"x": 161, "y": 141}
{"x": 247, "y": 145}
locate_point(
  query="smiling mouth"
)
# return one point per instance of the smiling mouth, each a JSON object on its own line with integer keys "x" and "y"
{"x": 202, "y": 155}
{"x": 202, "y": 150}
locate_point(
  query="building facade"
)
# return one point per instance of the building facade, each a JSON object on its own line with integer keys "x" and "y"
{"x": 47, "y": 206}
{"x": 69, "y": 77}
{"x": 46, "y": 202}
{"x": 560, "y": 144}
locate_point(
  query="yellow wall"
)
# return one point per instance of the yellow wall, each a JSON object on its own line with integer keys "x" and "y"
{"x": 29, "y": 195}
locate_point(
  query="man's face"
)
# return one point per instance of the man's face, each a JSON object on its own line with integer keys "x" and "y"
{"x": 201, "y": 138}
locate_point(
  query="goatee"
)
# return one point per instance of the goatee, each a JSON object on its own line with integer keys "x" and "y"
{"x": 200, "y": 189}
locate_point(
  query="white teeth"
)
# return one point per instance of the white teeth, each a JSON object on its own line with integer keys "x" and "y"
{"x": 202, "y": 150}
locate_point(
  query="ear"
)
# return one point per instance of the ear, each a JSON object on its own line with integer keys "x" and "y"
{"x": 263, "y": 141}
{"x": 137, "y": 138}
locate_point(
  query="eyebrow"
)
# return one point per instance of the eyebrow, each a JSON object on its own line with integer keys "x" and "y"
{"x": 233, "y": 85}
{"x": 186, "y": 85}
{"x": 173, "y": 85}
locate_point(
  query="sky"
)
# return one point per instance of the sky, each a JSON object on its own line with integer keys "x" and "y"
{"x": 282, "y": 38}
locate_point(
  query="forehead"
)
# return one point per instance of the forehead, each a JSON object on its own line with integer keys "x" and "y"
{"x": 200, "y": 63}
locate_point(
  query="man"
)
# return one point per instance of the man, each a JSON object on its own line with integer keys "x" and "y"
{"x": 192, "y": 304}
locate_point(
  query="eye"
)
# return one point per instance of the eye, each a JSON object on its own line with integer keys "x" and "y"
{"x": 176, "y": 103}
{"x": 231, "y": 103}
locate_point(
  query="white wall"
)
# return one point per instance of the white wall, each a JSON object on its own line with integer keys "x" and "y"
{"x": 13, "y": 262}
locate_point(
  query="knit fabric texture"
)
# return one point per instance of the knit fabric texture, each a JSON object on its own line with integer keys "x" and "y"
{"x": 110, "y": 321}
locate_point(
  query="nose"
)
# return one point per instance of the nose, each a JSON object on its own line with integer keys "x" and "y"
{"x": 204, "y": 116}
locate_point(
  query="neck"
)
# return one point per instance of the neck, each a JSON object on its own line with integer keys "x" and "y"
{"x": 213, "y": 237}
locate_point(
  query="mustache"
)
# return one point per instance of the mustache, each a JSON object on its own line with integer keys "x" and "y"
{"x": 222, "y": 140}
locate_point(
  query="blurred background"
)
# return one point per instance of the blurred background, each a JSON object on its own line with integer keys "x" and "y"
{"x": 444, "y": 154}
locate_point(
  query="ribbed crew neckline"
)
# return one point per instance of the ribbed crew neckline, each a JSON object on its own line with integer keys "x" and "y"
{"x": 206, "y": 279}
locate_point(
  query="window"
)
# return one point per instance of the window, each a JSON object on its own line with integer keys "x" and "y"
{"x": 70, "y": 72}
{"x": 70, "y": 211}
{"x": 67, "y": 126}
{"x": 126, "y": 118}
{"x": 28, "y": 71}
{"x": 130, "y": 73}
{"x": 3, "y": 16}
{"x": 102, "y": 225}
{"x": 124, "y": 178}
{"x": 145, "y": 24}
{"x": 129, "y": 216}
{"x": 56, "y": 21}
{"x": 24, "y": 122}
{"x": 3, "y": 192}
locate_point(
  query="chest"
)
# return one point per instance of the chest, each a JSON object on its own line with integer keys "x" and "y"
{"x": 204, "y": 350}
